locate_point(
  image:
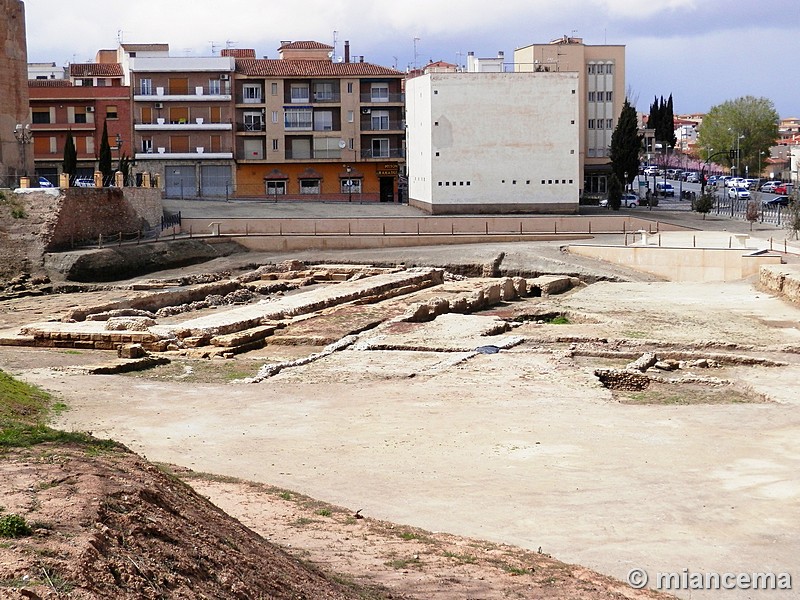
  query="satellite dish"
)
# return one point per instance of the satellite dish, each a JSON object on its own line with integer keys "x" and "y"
{"x": 330, "y": 54}
{"x": 342, "y": 143}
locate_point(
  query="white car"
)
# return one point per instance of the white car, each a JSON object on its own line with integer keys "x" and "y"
{"x": 629, "y": 200}
{"x": 769, "y": 186}
{"x": 84, "y": 182}
{"x": 44, "y": 182}
{"x": 692, "y": 178}
{"x": 738, "y": 192}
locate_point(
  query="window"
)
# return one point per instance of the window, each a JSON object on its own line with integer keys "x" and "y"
{"x": 274, "y": 88}
{"x": 609, "y": 123}
{"x": 379, "y": 92}
{"x": 350, "y": 116}
{"x": 147, "y": 114}
{"x": 592, "y": 69}
{"x": 216, "y": 143}
{"x": 147, "y": 145}
{"x": 146, "y": 87}
{"x": 609, "y": 96}
{"x": 274, "y": 116}
{"x": 309, "y": 186}
{"x": 323, "y": 120}
{"x": 323, "y": 92}
{"x": 215, "y": 114}
{"x": 351, "y": 144}
{"x": 253, "y": 121}
{"x": 251, "y": 93}
{"x": 327, "y": 147}
{"x": 600, "y": 123}
{"x": 40, "y": 116}
{"x": 276, "y": 188}
{"x": 591, "y": 96}
{"x": 80, "y": 117}
{"x": 349, "y": 87}
{"x": 380, "y": 148}
{"x": 610, "y": 69}
{"x": 179, "y": 143}
{"x": 275, "y": 144}
{"x": 297, "y": 118}
{"x": 351, "y": 186}
{"x": 299, "y": 93}
{"x": 111, "y": 112}
{"x": 214, "y": 87}
{"x": 380, "y": 120}
{"x": 591, "y": 123}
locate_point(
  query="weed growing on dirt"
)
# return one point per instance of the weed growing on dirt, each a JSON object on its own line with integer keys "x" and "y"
{"x": 285, "y": 496}
{"x": 323, "y": 512}
{"x": 462, "y": 558}
{"x": 559, "y": 320}
{"x": 404, "y": 563}
{"x": 14, "y": 526}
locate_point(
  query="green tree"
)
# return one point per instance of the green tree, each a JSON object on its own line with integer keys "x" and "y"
{"x": 754, "y": 121}
{"x": 104, "y": 164}
{"x": 704, "y": 203}
{"x": 626, "y": 143}
{"x": 662, "y": 119}
{"x": 793, "y": 214}
{"x": 70, "y": 164}
{"x": 614, "y": 192}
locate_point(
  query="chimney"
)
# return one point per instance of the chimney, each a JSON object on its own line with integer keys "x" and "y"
{"x": 347, "y": 51}
{"x": 361, "y": 58}
{"x": 500, "y": 54}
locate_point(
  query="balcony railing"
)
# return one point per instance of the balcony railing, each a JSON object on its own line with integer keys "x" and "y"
{"x": 390, "y": 126}
{"x": 314, "y": 154}
{"x": 242, "y": 99}
{"x": 251, "y": 126}
{"x": 326, "y": 97}
{"x": 198, "y": 90}
{"x": 373, "y": 98}
{"x": 390, "y": 153}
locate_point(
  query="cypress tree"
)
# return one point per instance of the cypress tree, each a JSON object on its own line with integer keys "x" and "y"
{"x": 70, "y": 163}
{"x": 104, "y": 165}
{"x": 626, "y": 143}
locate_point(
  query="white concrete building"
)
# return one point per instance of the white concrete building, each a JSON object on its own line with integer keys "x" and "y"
{"x": 493, "y": 142}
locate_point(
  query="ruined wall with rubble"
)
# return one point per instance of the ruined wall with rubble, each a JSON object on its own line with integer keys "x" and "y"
{"x": 781, "y": 279}
{"x": 36, "y": 221}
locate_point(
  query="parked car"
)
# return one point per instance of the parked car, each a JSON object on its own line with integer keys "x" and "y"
{"x": 84, "y": 182}
{"x": 748, "y": 183}
{"x": 665, "y": 189}
{"x": 651, "y": 170}
{"x": 44, "y": 182}
{"x": 712, "y": 180}
{"x": 777, "y": 201}
{"x": 769, "y": 186}
{"x": 783, "y": 189}
{"x": 630, "y": 200}
{"x": 691, "y": 177}
{"x": 738, "y": 192}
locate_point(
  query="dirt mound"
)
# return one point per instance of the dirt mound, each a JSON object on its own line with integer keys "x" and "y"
{"x": 111, "y": 525}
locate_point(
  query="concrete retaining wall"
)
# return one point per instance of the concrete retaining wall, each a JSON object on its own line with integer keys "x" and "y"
{"x": 683, "y": 264}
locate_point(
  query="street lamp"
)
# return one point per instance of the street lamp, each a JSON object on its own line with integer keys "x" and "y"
{"x": 119, "y": 142}
{"x": 760, "y": 154}
{"x": 349, "y": 183}
{"x": 24, "y": 136}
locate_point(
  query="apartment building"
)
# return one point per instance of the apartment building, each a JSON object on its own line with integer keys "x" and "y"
{"x": 493, "y": 142}
{"x": 309, "y": 127}
{"x": 601, "y": 91}
{"x": 94, "y": 94}
{"x": 182, "y": 114}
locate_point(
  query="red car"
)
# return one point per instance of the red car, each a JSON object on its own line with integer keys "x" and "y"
{"x": 783, "y": 189}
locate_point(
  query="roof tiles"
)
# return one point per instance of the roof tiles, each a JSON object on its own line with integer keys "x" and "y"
{"x": 270, "y": 67}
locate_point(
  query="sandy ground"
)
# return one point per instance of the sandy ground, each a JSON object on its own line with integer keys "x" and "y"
{"x": 523, "y": 447}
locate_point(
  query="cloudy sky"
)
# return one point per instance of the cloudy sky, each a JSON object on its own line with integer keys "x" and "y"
{"x": 703, "y": 52}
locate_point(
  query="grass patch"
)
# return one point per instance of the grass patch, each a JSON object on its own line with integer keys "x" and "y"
{"x": 636, "y": 335}
{"x": 516, "y": 570}
{"x": 285, "y": 496}
{"x": 686, "y": 394}
{"x": 302, "y": 522}
{"x": 23, "y": 411}
{"x": 403, "y": 563}
{"x": 559, "y": 320}
{"x": 462, "y": 558}
{"x": 14, "y": 526}
{"x": 324, "y": 512}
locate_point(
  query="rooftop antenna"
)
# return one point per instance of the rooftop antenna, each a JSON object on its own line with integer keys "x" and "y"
{"x": 214, "y": 48}
{"x": 229, "y": 44}
{"x": 335, "y": 39}
{"x": 394, "y": 64}
{"x": 416, "y": 39}
{"x": 119, "y": 36}
{"x": 459, "y": 54}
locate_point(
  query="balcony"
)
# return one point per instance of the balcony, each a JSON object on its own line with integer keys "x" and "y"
{"x": 198, "y": 154}
{"x": 198, "y": 94}
{"x": 242, "y": 99}
{"x": 251, "y": 127}
{"x": 326, "y": 97}
{"x": 384, "y": 153}
{"x": 390, "y": 126}
{"x": 182, "y": 125}
{"x": 326, "y": 154}
{"x": 382, "y": 98}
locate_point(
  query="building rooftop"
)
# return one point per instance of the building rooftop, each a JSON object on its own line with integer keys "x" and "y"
{"x": 95, "y": 70}
{"x": 268, "y": 67}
